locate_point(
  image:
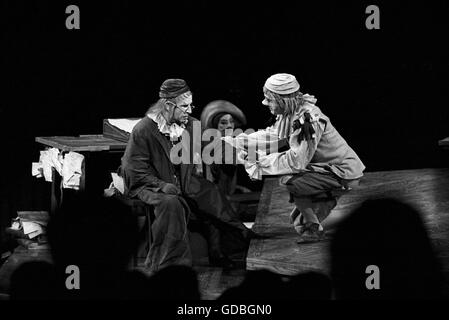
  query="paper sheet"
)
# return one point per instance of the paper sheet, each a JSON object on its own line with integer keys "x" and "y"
{"x": 31, "y": 229}
{"x": 124, "y": 124}
{"x": 72, "y": 170}
{"x": 118, "y": 182}
{"x": 36, "y": 169}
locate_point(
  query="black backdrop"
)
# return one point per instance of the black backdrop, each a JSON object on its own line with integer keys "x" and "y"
{"x": 385, "y": 90}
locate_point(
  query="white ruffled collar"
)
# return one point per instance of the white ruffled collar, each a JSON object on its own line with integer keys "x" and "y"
{"x": 174, "y": 130}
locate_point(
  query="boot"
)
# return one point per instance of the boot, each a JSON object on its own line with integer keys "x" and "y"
{"x": 311, "y": 233}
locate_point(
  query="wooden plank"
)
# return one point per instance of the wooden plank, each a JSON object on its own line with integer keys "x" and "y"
{"x": 425, "y": 189}
{"x": 34, "y": 215}
{"x": 91, "y": 143}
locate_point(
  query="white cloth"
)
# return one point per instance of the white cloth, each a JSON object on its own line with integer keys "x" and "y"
{"x": 174, "y": 130}
{"x": 70, "y": 167}
{"x": 72, "y": 170}
{"x": 50, "y": 158}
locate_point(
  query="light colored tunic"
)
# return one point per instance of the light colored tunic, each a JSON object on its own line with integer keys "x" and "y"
{"x": 328, "y": 151}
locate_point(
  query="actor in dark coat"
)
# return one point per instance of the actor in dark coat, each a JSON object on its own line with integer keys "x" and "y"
{"x": 177, "y": 192}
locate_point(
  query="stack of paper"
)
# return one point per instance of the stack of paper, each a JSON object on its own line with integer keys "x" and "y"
{"x": 29, "y": 228}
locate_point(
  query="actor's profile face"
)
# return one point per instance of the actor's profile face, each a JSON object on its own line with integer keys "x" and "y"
{"x": 183, "y": 107}
{"x": 226, "y": 122}
{"x": 274, "y": 107}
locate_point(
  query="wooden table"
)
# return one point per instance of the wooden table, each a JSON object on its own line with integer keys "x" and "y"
{"x": 82, "y": 144}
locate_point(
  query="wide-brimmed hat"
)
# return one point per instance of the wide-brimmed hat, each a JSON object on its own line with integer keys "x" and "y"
{"x": 222, "y": 107}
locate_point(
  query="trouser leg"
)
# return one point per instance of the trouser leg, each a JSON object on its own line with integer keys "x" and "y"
{"x": 306, "y": 207}
{"x": 170, "y": 243}
{"x": 213, "y": 236}
{"x": 305, "y": 188}
{"x": 211, "y": 206}
{"x": 210, "y": 203}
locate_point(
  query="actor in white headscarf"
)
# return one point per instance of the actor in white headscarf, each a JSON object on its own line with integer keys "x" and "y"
{"x": 317, "y": 162}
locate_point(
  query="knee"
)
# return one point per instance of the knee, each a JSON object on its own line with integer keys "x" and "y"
{"x": 298, "y": 188}
{"x": 170, "y": 209}
{"x": 170, "y": 203}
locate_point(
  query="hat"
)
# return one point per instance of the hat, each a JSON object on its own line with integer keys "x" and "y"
{"x": 171, "y": 88}
{"x": 282, "y": 83}
{"x": 220, "y": 107}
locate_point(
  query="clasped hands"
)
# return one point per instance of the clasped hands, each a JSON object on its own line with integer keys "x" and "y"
{"x": 170, "y": 188}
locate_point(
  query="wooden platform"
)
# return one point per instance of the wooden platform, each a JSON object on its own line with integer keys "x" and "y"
{"x": 426, "y": 189}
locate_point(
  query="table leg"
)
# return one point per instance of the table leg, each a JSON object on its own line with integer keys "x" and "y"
{"x": 55, "y": 198}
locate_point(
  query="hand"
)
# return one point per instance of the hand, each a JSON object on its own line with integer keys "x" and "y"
{"x": 170, "y": 188}
{"x": 199, "y": 169}
{"x": 283, "y": 180}
{"x": 242, "y": 157}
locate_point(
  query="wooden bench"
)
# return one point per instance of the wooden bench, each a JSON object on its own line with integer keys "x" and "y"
{"x": 426, "y": 189}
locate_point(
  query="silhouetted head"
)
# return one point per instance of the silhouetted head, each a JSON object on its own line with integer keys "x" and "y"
{"x": 34, "y": 280}
{"x": 98, "y": 235}
{"x": 389, "y": 236}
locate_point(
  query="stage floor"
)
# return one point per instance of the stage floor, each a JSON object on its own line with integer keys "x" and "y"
{"x": 426, "y": 189}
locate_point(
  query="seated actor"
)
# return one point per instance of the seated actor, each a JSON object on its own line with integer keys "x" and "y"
{"x": 177, "y": 192}
{"x": 317, "y": 162}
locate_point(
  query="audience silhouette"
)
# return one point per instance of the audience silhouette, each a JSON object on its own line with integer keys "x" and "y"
{"x": 391, "y": 236}
{"x": 99, "y": 236}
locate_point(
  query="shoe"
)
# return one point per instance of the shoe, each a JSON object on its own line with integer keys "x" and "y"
{"x": 300, "y": 229}
{"x": 295, "y": 216}
{"x": 297, "y": 219}
{"x": 311, "y": 233}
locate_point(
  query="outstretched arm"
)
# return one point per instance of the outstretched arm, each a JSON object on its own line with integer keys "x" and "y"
{"x": 302, "y": 149}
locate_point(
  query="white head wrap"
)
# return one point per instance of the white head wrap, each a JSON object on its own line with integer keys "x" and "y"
{"x": 282, "y": 83}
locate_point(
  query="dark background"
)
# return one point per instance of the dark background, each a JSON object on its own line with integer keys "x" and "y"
{"x": 385, "y": 90}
